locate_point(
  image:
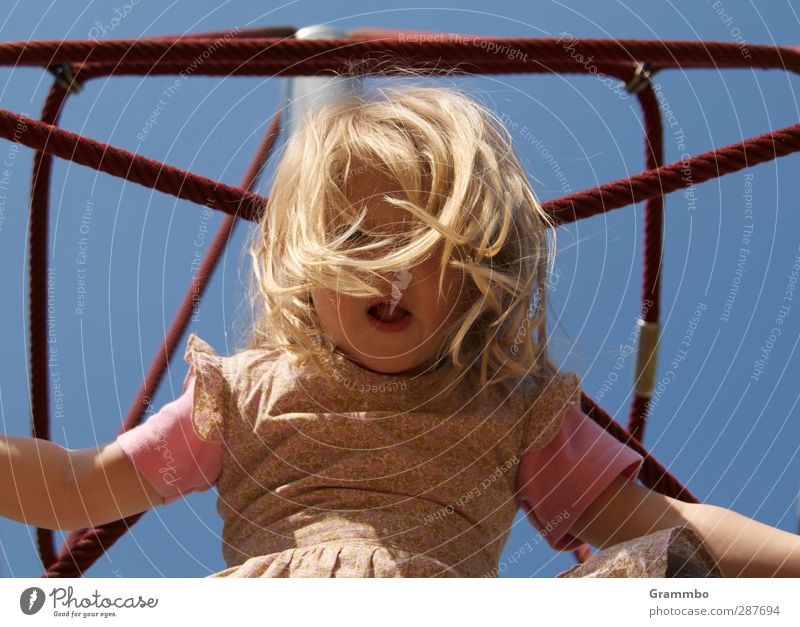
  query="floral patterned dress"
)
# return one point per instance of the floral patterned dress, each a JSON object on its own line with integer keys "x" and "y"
{"x": 348, "y": 472}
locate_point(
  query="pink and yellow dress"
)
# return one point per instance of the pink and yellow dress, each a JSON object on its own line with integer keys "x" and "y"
{"x": 345, "y": 472}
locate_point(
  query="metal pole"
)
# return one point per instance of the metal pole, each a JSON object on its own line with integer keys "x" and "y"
{"x": 304, "y": 93}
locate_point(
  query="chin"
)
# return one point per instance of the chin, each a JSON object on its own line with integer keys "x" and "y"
{"x": 389, "y": 366}
{"x": 384, "y": 367}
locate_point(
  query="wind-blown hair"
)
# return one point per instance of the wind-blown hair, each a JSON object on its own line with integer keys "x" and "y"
{"x": 473, "y": 205}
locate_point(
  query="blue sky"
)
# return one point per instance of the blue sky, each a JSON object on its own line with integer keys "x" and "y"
{"x": 726, "y": 428}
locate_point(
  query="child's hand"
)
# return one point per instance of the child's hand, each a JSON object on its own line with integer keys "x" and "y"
{"x": 742, "y": 547}
{"x": 46, "y": 485}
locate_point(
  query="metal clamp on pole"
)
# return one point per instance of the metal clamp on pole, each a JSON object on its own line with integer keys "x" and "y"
{"x": 65, "y": 77}
{"x": 646, "y": 358}
{"x": 640, "y": 79}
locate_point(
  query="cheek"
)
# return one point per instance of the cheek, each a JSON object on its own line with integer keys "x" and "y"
{"x": 324, "y": 303}
{"x": 454, "y": 301}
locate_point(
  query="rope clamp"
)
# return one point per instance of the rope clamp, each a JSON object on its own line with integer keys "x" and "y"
{"x": 646, "y": 358}
{"x": 640, "y": 79}
{"x": 65, "y": 77}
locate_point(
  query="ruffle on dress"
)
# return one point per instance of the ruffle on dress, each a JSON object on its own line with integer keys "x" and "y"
{"x": 340, "y": 559}
{"x": 212, "y": 397}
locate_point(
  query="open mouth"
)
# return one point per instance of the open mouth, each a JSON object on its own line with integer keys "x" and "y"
{"x": 384, "y": 312}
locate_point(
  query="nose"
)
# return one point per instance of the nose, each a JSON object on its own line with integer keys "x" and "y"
{"x": 401, "y": 278}
{"x": 393, "y": 285}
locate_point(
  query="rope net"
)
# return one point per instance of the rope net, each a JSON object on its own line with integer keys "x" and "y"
{"x": 274, "y": 51}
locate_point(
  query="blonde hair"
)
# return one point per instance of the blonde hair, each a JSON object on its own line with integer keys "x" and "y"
{"x": 462, "y": 181}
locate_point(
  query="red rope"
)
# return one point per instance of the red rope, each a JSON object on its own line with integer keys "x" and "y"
{"x": 668, "y": 178}
{"x": 135, "y": 168}
{"x": 247, "y": 205}
{"x": 653, "y": 241}
{"x": 486, "y": 55}
{"x": 216, "y": 66}
{"x": 38, "y": 259}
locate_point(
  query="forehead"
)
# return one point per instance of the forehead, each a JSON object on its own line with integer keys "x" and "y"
{"x": 366, "y": 188}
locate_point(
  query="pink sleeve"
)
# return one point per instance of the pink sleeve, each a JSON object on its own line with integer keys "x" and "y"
{"x": 169, "y": 453}
{"x": 558, "y": 482}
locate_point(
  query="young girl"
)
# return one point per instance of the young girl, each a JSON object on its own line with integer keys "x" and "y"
{"x": 396, "y": 404}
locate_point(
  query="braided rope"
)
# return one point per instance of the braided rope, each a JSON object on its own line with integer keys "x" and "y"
{"x": 38, "y": 256}
{"x": 668, "y": 178}
{"x": 235, "y": 201}
{"x": 653, "y": 245}
{"x": 306, "y": 57}
{"x": 134, "y": 168}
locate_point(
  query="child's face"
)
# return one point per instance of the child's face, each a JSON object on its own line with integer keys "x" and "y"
{"x": 407, "y": 346}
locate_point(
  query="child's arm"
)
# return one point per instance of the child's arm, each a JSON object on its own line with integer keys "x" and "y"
{"x": 741, "y": 546}
{"x": 46, "y": 485}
